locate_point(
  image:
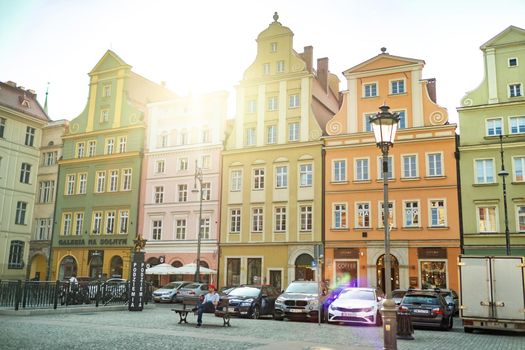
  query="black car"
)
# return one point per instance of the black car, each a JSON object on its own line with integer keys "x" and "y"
{"x": 428, "y": 308}
{"x": 252, "y": 301}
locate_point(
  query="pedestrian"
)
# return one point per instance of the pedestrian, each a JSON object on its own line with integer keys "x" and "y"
{"x": 73, "y": 283}
{"x": 208, "y": 304}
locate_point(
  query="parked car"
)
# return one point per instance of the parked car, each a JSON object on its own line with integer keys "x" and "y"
{"x": 192, "y": 290}
{"x": 115, "y": 288}
{"x": 252, "y": 301}
{"x": 329, "y": 299}
{"x": 357, "y": 305}
{"x": 299, "y": 301}
{"x": 398, "y": 294}
{"x": 226, "y": 289}
{"x": 168, "y": 292}
{"x": 451, "y": 297}
{"x": 428, "y": 308}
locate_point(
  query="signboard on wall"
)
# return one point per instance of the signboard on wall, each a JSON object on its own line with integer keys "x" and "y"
{"x": 432, "y": 253}
{"x": 346, "y": 253}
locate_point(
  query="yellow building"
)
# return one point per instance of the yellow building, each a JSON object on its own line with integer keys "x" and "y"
{"x": 272, "y": 165}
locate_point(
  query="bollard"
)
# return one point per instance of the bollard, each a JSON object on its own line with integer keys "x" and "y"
{"x": 404, "y": 326}
{"x": 389, "y": 324}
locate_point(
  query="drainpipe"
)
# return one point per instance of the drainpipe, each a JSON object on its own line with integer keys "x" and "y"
{"x": 323, "y": 168}
{"x": 53, "y": 222}
{"x": 460, "y": 205}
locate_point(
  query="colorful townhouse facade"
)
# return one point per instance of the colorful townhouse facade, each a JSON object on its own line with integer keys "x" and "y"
{"x": 99, "y": 174}
{"x": 422, "y": 182}
{"x": 492, "y": 119}
{"x": 21, "y": 122}
{"x": 185, "y": 138}
{"x": 271, "y": 200}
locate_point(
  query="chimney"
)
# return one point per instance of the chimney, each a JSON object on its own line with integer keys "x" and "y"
{"x": 322, "y": 72}
{"x": 308, "y": 56}
{"x": 431, "y": 89}
{"x": 11, "y": 83}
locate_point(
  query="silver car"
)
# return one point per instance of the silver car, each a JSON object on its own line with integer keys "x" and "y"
{"x": 192, "y": 290}
{"x": 299, "y": 301}
{"x": 168, "y": 293}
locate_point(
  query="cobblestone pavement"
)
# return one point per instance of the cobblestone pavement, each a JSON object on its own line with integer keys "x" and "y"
{"x": 157, "y": 328}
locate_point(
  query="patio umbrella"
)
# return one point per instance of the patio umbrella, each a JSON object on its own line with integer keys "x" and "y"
{"x": 162, "y": 269}
{"x": 190, "y": 269}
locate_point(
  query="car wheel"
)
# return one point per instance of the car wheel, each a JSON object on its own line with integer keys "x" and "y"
{"x": 445, "y": 324}
{"x": 157, "y": 301}
{"x": 451, "y": 323}
{"x": 379, "y": 320}
{"x": 256, "y": 312}
{"x": 277, "y": 318}
{"x": 468, "y": 329}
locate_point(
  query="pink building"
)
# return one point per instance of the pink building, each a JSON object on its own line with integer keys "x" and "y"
{"x": 182, "y": 135}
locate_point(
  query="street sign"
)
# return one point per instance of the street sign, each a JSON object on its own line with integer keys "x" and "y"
{"x": 314, "y": 264}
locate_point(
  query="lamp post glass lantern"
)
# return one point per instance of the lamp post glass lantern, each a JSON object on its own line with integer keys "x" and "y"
{"x": 503, "y": 173}
{"x": 384, "y": 125}
{"x": 198, "y": 177}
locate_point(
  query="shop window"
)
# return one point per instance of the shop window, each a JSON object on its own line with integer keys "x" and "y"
{"x": 233, "y": 271}
{"x": 433, "y": 274}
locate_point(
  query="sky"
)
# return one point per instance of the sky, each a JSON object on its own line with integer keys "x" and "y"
{"x": 205, "y": 45}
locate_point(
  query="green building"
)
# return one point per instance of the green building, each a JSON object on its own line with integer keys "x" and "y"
{"x": 492, "y": 119}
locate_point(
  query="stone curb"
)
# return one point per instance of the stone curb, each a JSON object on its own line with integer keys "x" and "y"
{"x": 68, "y": 310}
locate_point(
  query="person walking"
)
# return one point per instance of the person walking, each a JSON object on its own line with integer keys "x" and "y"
{"x": 211, "y": 300}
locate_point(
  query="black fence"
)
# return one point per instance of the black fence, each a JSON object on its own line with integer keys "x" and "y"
{"x": 35, "y": 294}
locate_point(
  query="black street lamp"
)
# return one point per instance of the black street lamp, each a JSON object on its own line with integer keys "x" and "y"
{"x": 384, "y": 125}
{"x": 198, "y": 177}
{"x": 503, "y": 173}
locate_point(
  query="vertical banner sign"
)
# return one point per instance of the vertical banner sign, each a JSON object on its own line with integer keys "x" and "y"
{"x": 138, "y": 269}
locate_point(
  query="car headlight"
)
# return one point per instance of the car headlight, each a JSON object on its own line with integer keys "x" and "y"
{"x": 247, "y": 302}
{"x": 368, "y": 309}
{"x": 279, "y": 300}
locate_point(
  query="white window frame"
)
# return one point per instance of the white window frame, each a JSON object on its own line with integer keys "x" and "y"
{"x": 183, "y": 164}
{"x": 515, "y": 90}
{"x": 180, "y": 228}
{"x": 100, "y": 184}
{"x": 485, "y": 174}
{"x": 92, "y": 148}
{"x": 294, "y": 101}
{"x": 109, "y": 222}
{"x": 235, "y": 222}
{"x": 394, "y": 84}
{"x": 509, "y": 61}
{"x": 363, "y": 210}
{"x": 391, "y": 167}
{"x": 110, "y": 145}
{"x": 518, "y": 164}
{"x": 70, "y": 184}
{"x": 257, "y": 222}
{"x": 160, "y": 166}
{"x": 431, "y": 208}
{"x": 391, "y": 213}
{"x": 251, "y": 106}
{"x": 104, "y": 115}
{"x": 113, "y": 180}
{"x": 82, "y": 183}
{"x": 491, "y": 128}
{"x": 280, "y": 217}
{"x": 206, "y": 191}
{"x": 413, "y": 169}
{"x": 251, "y": 136}
{"x": 79, "y": 223}
{"x": 306, "y": 175}
{"x": 280, "y": 66}
{"x": 294, "y": 130}
{"x": 258, "y": 175}
{"x": 266, "y": 69}
{"x": 158, "y": 194}
{"x": 428, "y": 161}
{"x": 360, "y": 175}
{"x": 281, "y": 176}
{"x": 122, "y": 144}
{"x": 367, "y": 127}
{"x": 236, "y": 180}
{"x": 67, "y": 223}
{"x": 519, "y": 125}
{"x": 418, "y": 213}
{"x": 127, "y": 177}
{"x": 368, "y": 89}
{"x": 182, "y": 193}
{"x": 306, "y": 218}
{"x": 271, "y": 134}
{"x": 98, "y": 216}
{"x": 123, "y": 221}
{"x": 81, "y": 149}
{"x": 342, "y": 208}
{"x": 156, "y": 229}
{"x": 520, "y": 216}
{"x": 402, "y": 114}
{"x": 273, "y": 103}
{"x": 339, "y": 173}
{"x": 496, "y": 217}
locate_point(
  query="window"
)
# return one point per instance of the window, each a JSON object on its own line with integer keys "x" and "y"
{"x": 519, "y": 169}
{"x": 517, "y": 125}
{"x": 266, "y": 69}
{"x": 390, "y": 172}
{"x": 486, "y": 219}
{"x": 339, "y": 218}
{"x": 236, "y": 180}
{"x": 258, "y": 179}
{"x": 82, "y": 183}
{"x": 183, "y": 193}
{"x": 92, "y": 148}
{"x": 293, "y": 132}
{"x": 339, "y": 170}
{"x": 433, "y": 274}
{"x": 97, "y": 222}
{"x": 110, "y": 146}
{"x": 361, "y": 170}
{"x": 434, "y": 166}
{"x": 164, "y": 141}
{"x": 367, "y": 125}
{"x": 159, "y": 166}
{"x": 180, "y": 229}
{"x": 515, "y": 90}
{"x": 397, "y": 87}
{"x": 273, "y": 47}
{"x": 30, "y": 136}
{"x": 70, "y": 184}
{"x": 50, "y": 158}
{"x": 183, "y": 164}
{"x": 391, "y": 216}
{"x": 159, "y": 194}
{"x": 401, "y": 124}
{"x": 106, "y": 91}
{"x": 280, "y": 219}
{"x": 206, "y": 191}
{"x": 251, "y": 106}
{"x": 294, "y": 101}
{"x": 233, "y": 271}
{"x": 370, "y": 90}
{"x": 271, "y": 134}
{"x": 79, "y": 222}
{"x": 437, "y": 213}
{"x": 20, "y": 216}
{"x": 123, "y": 221}
{"x": 206, "y": 135}
{"x": 411, "y": 209}
{"x": 281, "y": 177}
{"x": 126, "y": 179}
{"x": 16, "y": 255}
{"x": 101, "y": 181}
{"x": 113, "y": 181}
{"x": 67, "y": 218}
{"x": 2, "y": 127}
{"x": 184, "y": 137}
{"x": 206, "y": 162}
{"x": 104, "y": 115}
{"x": 123, "y": 140}
{"x": 25, "y": 173}
{"x": 156, "y": 232}
{"x": 409, "y": 166}
{"x": 513, "y": 62}
{"x": 46, "y": 191}
{"x": 235, "y": 220}
{"x": 305, "y": 175}
{"x": 81, "y": 149}
{"x": 257, "y": 219}
{"x": 484, "y": 171}
{"x": 306, "y": 215}
{"x": 362, "y": 215}
{"x": 43, "y": 229}
{"x": 280, "y": 66}
{"x": 110, "y": 222}
{"x": 520, "y": 218}
{"x": 250, "y": 137}
{"x": 493, "y": 126}
{"x": 273, "y": 103}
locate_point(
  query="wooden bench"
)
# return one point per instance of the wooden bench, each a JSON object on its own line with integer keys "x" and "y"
{"x": 190, "y": 305}
{"x": 222, "y": 310}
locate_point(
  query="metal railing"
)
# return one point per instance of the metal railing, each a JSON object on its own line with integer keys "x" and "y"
{"x": 41, "y": 295}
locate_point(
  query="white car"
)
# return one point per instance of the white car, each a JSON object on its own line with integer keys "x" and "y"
{"x": 357, "y": 305}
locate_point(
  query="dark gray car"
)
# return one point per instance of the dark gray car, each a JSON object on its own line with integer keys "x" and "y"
{"x": 428, "y": 308}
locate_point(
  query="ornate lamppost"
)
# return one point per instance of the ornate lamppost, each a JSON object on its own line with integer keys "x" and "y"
{"x": 198, "y": 177}
{"x": 384, "y": 125}
{"x": 503, "y": 173}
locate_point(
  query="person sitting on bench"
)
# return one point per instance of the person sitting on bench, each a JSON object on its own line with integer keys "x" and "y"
{"x": 211, "y": 299}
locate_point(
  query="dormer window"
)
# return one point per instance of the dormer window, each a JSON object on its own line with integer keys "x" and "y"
{"x": 513, "y": 62}
{"x": 106, "y": 90}
{"x": 24, "y": 101}
{"x": 273, "y": 47}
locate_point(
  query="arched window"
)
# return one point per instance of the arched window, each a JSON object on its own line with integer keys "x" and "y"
{"x": 204, "y": 264}
{"x": 303, "y": 268}
{"x": 394, "y": 272}
{"x": 68, "y": 267}
{"x": 16, "y": 254}
{"x": 116, "y": 267}
{"x": 177, "y": 277}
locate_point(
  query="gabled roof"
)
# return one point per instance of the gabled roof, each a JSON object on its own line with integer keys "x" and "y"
{"x": 383, "y": 60}
{"x": 20, "y": 100}
{"x": 511, "y": 35}
{"x": 109, "y": 61}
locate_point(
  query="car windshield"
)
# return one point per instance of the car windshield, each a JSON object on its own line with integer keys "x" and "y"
{"x": 192, "y": 286}
{"x": 245, "y": 292}
{"x": 398, "y": 294}
{"x": 357, "y": 294}
{"x": 171, "y": 285}
{"x": 420, "y": 300}
{"x": 306, "y": 288}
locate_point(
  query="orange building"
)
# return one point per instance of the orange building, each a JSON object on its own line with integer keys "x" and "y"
{"x": 423, "y": 197}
